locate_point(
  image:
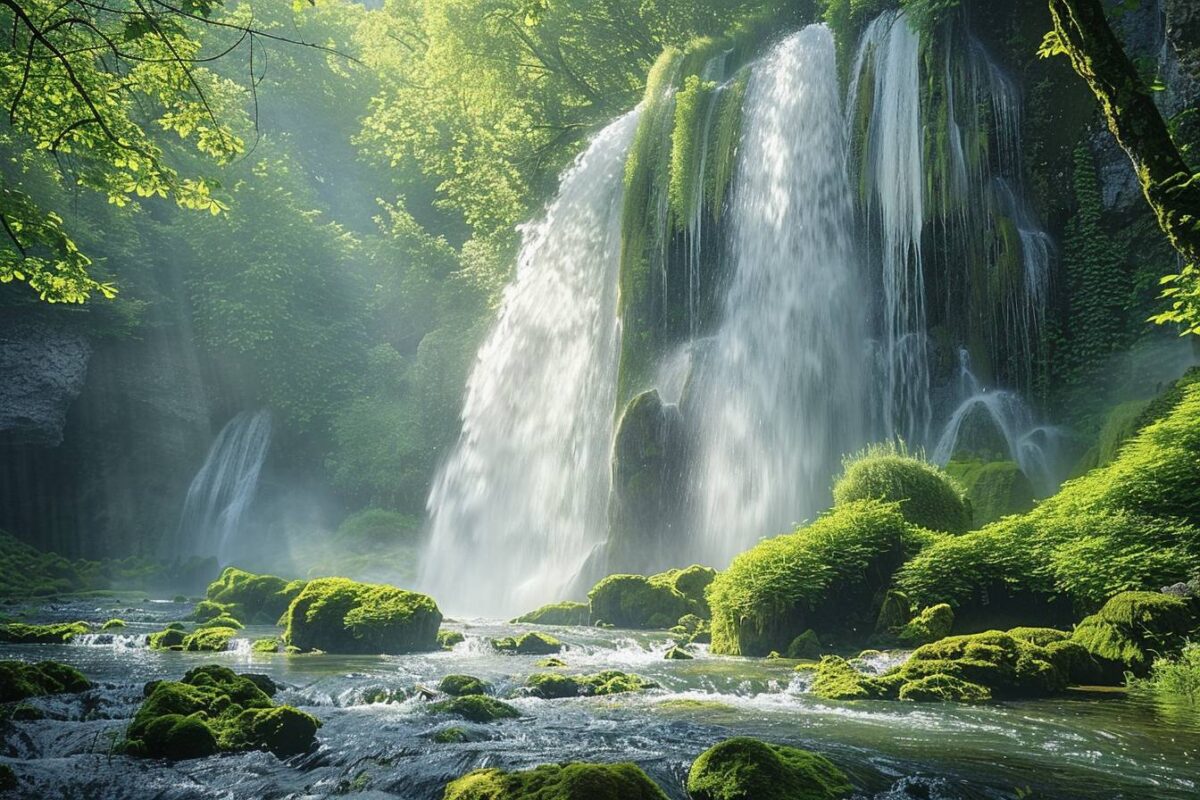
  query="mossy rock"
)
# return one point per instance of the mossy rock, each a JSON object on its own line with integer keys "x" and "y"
{"x": 462, "y": 685}
{"x": 223, "y": 621}
{"x": 653, "y": 602}
{"x": 931, "y": 624}
{"x": 113, "y": 624}
{"x": 574, "y": 781}
{"x": 945, "y": 689}
{"x": 895, "y": 612}
{"x": 20, "y": 680}
{"x": 553, "y": 662}
{"x": 256, "y": 598}
{"x": 207, "y": 610}
{"x": 208, "y": 640}
{"x": 565, "y": 613}
{"x": 835, "y": 679}
{"x": 450, "y": 736}
{"x": 1134, "y": 627}
{"x": 805, "y": 646}
{"x": 829, "y": 576}
{"x": 691, "y": 629}
{"x": 533, "y": 643}
{"x": 336, "y": 615}
{"x": 995, "y": 489}
{"x": 747, "y": 769}
{"x": 212, "y": 709}
{"x": 270, "y": 645}
{"x": 476, "y": 708}
{"x": 1042, "y": 637}
{"x": 678, "y": 653}
{"x": 448, "y": 639}
{"x": 550, "y": 686}
{"x": 55, "y": 633}
{"x": 928, "y": 497}
{"x": 167, "y": 639}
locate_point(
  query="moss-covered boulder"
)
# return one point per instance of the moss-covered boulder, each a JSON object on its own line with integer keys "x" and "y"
{"x": 995, "y": 489}
{"x": 258, "y": 599}
{"x": 223, "y": 621}
{"x": 208, "y": 640}
{"x": 805, "y": 646}
{"x": 167, "y": 639}
{"x": 207, "y": 610}
{"x": 747, "y": 769}
{"x": 565, "y": 613}
{"x": 894, "y": 613}
{"x": 54, "y": 633}
{"x": 462, "y": 685}
{"x": 534, "y": 643}
{"x": 691, "y": 629}
{"x": 834, "y": 678}
{"x": 20, "y": 680}
{"x": 1132, "y": 628}
{"x": 678, "y": 653}
{"x": 113, "y": 625}
{"x": 210, "y": 710}
{"x": 931, "y": 624}
{"x": 574, "y": 781}
{"x": 476, "y": 708}
{"x": 928, "y": 497}
{"x": 654, "y": 602}
{"x": 550, "y": 686}
{"x": 268, "y": 645}
{"x": 337, "y": 615}
{"x": 447, "y": 640}
{"x": 829, "y": 576}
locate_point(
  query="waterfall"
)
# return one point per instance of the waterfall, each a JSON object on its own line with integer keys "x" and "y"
{"x": 223, "y": 489}
{"x": 1032, "y": 446}
{"x": 522, "y": 500}
{"x": 894, "y": 176}
{"x": 778, "y": 391}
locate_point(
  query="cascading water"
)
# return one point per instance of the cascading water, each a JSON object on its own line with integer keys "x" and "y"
{"x": 522, "y": 501}
{"x": 779, "y": 389}
{"x": 893, "y": 171}
{"x": 223, "y": 489}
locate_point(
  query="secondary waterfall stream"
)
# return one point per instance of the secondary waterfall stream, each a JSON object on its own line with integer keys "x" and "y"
{"x": 522, "y": 500}
{"x": 779, "y": 393}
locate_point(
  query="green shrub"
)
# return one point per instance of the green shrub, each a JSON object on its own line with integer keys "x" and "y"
{"x": 657, "y": 601}
{"x": 337, "y": 615}
{"x": 565, "y": 613}
{"x": 995, "y": 489}
{"x": 828, "y": 576}
{"x": 928, "y": 497}
{"x": 255, "y": 598}
{"x": 747, "y": 769}
{"x": 574, "y": 781}
{"x": 20, "y": 680}
{"x": 1174, "y": 679}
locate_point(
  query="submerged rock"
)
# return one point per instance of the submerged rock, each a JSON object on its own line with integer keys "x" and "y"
{"x": 533, "y": 643}
{"x": 20, "y": 680}
{"x": 550, "y": 686}
{"x": 747, "y": 769}
{"x": 574, "y": 781}
{"x": 337, "y": 615}
{"x": 565, "y": 613}
{"x": 476, "y": 708}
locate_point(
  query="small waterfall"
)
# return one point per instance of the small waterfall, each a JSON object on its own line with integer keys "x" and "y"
{"x": 223, "y": 489}
{"x": 894, "y": 175}
{"x": 778, "y": 392}
{"x": 522, "y": 500}
{"x": 1034, "y": 447}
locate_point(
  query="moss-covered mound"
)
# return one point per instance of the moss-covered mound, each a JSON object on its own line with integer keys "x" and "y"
{"x": 552, "y": 686}
{"x": 995, "y": 489}
{"x": 928, "y": 497}
{"x": 167, "y": 639}
{"x": 933, "y": 623}
{"x": 223, "y": 621}
{"x": 20, "y": 680}
{"x": 654, "y": 602}
{"x": 533, "y": 643}
{"x": 565, "y": 613}
{"x": 207, "y": 610}
{"x": 805, "y": 646}
{"x": 573, "y": 781}
{"x": 337, "y": 615}
{"x": 210, "y": 710}
{"x": 829, "y": 576}
{"x": 56, "y": 633}
{"x": 971, "y": 668}
{"x": 1132, "y": 628}
{"x": 747, "y": 769}
{"x": 476, "y": 708}
{"x": 269, "y": 645}
{"x": 448, "y": 639}
{"x": 113, "y": 624}
{"x": 208, "y": 640}
{"x": 258, "y": 599}
{"x": 462, "y": 685}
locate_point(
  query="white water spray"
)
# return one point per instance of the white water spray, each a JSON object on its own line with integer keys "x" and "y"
{"x": 522, "y": 501}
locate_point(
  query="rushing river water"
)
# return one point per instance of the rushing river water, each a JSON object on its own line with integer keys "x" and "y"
{"x": 1078, "y": 746}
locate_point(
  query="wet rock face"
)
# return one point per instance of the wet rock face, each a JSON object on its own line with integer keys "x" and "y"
{"x": 44, "y": 368}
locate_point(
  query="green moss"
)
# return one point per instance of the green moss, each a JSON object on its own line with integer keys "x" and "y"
{"x": 1042, "y": 637}
{"x": 1133, "y": 627}
{"x": 928, "y": 497}
{"x": 255, "y": 598}
{"x": 448, "y": 639}
{"x": 462, "y": 685}
{"x": 945, "y": 689}
{"x": 995, "y": 489}
{"x": 549, "y": 686}
{"x": 895, "y": 612}
{"x": 207, "y": 609}
{"x": 113, "y": 624}
{"x": 933, "y": 623}
{"x": 678, "y": 653}
{"x": 658, "y": 601}
{"x": 168, "y": 639}
{"x": 476, "y": 708}
{"x": 723, "y": 147}
{"x": 805, "y": 646}
{"x": 747, "y": 769}
{"x": 828, "y": 576}
{"x": 270, "y": 645}
{"x": 835, "y": 679}
{"x": 55, "y": 633}
{"x": 550, "y": 663}
{"x": 223, "y": 621}
{"x": 692, "y": 102}
{"x": 450, "y": 736}
{"x": 574, "y": 781}
{"x": 212, "y": 709}
{"x": 565, "y": 613}
{"x": 211, "y": 640}
{"x": 337, "y": 615}
{"x": 20, "y": 680}
{"x": 533, "y": 643}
